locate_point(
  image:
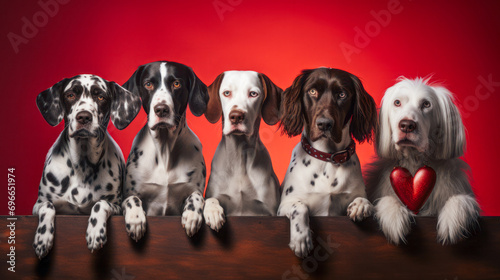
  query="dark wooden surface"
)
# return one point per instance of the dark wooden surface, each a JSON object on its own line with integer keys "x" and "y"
{"x": 252, "y": 247}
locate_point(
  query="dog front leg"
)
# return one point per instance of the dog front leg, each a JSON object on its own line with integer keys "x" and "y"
{"x": 214, "y": 214}
{"x": 192, "y": 214}
{"x": 44, "y": 236}
{"x": 457, "y": 218}
{"x": 96, "y": 229}
{"x": 300, "y": 233}
{"x": 394, "y": 219}
{"x": 135, "y": 217}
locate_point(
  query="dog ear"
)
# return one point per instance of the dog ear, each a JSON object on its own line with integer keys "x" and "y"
{"x": 292, "y": 109}
{"x": 272, "y": 102}
{"x": 124, "y": 107}
{"x": 198, "y": 96}
{"x": 49, "y": 103}
{"x": 214, "y": 107}
{"x": 452, "y": 142}
{"x": 134, "y": 86}
{"x": 364, "y": 114}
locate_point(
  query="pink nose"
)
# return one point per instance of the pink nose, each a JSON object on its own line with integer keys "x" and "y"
{"x": 407, "y": 126}
{"x": 236, "y": 116}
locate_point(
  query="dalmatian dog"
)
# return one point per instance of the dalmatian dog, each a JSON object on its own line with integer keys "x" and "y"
{"x": 165, "y": 169}
{"x": 84, "y": 169}
{"x": 324, "y": 176}
{"x": 242, "y": 181}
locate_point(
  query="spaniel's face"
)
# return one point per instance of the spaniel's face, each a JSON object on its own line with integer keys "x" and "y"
{"x": 417, "y": 116}
{"x": 411, "y": 115}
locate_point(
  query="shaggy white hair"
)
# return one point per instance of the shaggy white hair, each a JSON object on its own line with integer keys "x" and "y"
{"x": 437, "y": 140}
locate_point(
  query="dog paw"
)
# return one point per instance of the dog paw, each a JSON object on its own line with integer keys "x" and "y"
{"x": 359, "y": 209}
{"x": 44, "y": 239}
{"x": 214, "y": 215}
{"x": 301, "y": 242}
{"x": 191, "y": 221}
{"x": 135, "y": 223}
{"x": 96, "y": 235}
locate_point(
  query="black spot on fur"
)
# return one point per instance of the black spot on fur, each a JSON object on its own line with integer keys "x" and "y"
{"x": 74, "y": 192}
{"x": 52, "y": 179}
{"x": 49, "y": 197}
{"x": 110, "y": 173}
{"x": 68, "y": 162}
{"x": 312, "y": 183}
{"x": 291, "y": 169}
{"x": 132, "y": 183}
{"x": 289, "y": 190}
{"x": 102, "y": 231}
{"x": 335, "y": 182}
{"x": 306, "y": 163}
{"x": 42, "y": 217}
{"x": 136, "y": 201}
{"x": 96, "y": 188}
{"x": 109, "y": 187}
{"x": 128, "y": 226}
{"x": 297, "y": 227}
{"x": 109, "y": 197}
{"x": 97, "y": 207}
{"x": 52, "y": 189}
{"x": 43, "y": 229}
{"x": 294, "y": 214}
{"x": 315, "y": 175}
{"x": 89, "y": 197}
{"x": 93, "y": 221}
{"x": 64, "y": 185}
{"x": 129, "y": 205}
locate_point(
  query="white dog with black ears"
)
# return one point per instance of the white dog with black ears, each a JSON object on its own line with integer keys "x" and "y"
{"x": 421, "y": 126}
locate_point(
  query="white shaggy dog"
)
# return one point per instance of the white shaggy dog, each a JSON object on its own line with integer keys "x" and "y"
{"x": 420, "y": 125}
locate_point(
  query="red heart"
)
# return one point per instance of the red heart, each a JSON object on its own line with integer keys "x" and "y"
{"x": 413, "y": 191}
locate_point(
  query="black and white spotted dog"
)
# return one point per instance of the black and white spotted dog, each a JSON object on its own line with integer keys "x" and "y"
{"x": 84, "y": 169}
{"x": 165, "y": 169}
{"x": 324, "y": 176}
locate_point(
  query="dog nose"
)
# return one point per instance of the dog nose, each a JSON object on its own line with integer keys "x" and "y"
{"x": 324, "y": 124}
{"x": 84, "y": 117}
{"x": 236, "y": 116}
{"x": 162, "y": 110}
{"x": 407, "y": 126}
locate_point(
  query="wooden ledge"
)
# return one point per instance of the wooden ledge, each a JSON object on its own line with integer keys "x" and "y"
{"x": 252, "y": 247}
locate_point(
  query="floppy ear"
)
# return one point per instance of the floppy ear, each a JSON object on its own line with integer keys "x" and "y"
{"x": 272, "y": 102}
{"x": 292, "y": 111}
{"x": 452, "y": 144}
{"x": 124, "y": 107}
{"x": 49, "y": 103}
{"x": 198, "y": 96}
{"x": 134, "y": 85}
{"x": 364, "y": 115}
{"x": 214, "y": 107}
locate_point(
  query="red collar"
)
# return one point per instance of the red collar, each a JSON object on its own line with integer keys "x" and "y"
{"x": 335, "y": 158}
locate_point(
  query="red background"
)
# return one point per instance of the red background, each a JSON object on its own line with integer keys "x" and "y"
{"x": 457, "y": 42}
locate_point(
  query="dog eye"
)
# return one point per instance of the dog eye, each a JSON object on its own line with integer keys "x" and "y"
{"x": 253, "y": 94}
{"x": 70, "y": 96}
{"x": 313, "y": 92}
{"x": 177, "y": 84}
{"x": 149, "y": 86}
{"x": 342, "y": 95}
{"x": 100, "y": 98}
{"x": 397, "y": 103}
{"x": 227, "y": 93}
{"x": 426, "y": 104}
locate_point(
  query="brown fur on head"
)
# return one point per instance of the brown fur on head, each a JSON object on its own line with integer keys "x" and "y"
{"x": 328, "y": 95}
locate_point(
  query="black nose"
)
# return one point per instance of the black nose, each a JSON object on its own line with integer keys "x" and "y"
{"x": 84, "y": 117}
{"x": 324, "y": 124}
{"x": 162, "y": 110}
{"x": 236, "y": 116}
{"x": 407, "y": 126}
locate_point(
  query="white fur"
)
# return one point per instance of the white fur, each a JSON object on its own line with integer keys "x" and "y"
{"x": 437, "y": 142}
{"x": 337, "y": 190}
